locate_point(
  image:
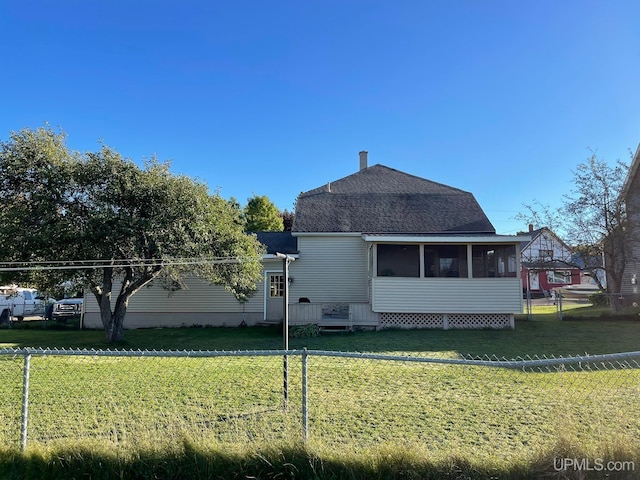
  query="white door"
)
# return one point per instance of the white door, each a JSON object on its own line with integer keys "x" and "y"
{"x": 274, "y": 302}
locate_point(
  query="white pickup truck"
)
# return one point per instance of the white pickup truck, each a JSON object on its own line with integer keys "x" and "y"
{"x": 5, "y": 311}
{"x": 19, "y": 303}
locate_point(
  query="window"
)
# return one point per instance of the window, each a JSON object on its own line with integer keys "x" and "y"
{"x": 545, "y": 254}
{"x": 398, "y": 260}
{"x": 445, "y": 261}
{"x": 562, "y": 277}
{"x": 494, "y": 261}
{"x": 276, "y": 285}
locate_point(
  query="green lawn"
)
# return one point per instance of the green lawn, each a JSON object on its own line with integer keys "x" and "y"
{"x": 585, "y": 330}
{"x": 224, "y": 417}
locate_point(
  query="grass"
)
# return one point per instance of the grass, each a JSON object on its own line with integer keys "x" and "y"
{"x": 584, "y": 330}
{"x": 223, "y": 417}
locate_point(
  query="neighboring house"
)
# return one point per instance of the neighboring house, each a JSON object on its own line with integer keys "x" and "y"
{"x": 631, "y": 195}
{"x": 379, "y": 248}
{"x": 547, "y": 263}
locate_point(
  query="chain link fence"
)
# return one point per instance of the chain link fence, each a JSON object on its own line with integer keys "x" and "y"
{"x": 156, "y": 399}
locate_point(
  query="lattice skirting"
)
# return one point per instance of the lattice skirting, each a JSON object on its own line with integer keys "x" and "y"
{"x": 446, "y": 321}
{"x": 411, "y": 320}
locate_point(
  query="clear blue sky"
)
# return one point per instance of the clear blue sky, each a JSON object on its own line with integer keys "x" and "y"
{"x": 499, "y": 98}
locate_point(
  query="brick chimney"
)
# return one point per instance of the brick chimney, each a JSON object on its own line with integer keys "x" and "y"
{"x": 363, "y": 159}
{"x": 530, "y": 227}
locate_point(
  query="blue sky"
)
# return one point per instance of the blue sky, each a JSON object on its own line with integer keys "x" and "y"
{"x": 499, "y": 98}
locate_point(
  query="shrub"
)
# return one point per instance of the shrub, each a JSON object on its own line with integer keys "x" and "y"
{"x": 599, "y": 299}
{"x": 305, "y": 331}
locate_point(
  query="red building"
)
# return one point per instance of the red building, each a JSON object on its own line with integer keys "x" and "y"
{"x": 546, "y": 263}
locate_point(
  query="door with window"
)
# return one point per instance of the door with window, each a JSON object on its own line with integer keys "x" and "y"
{"x": 275, "y": 296}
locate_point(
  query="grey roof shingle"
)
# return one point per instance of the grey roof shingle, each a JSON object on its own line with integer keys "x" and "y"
{"x": 282, "y": 242}
{"x": 380, "y": 199}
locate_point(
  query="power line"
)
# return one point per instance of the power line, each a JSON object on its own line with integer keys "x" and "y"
{"x": 119, "y": 263}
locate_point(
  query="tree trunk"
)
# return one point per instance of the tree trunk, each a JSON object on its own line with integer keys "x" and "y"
{"x": 614, "y": 294}
{"x": 115, "y": 332}
{"x": 113, "y": 322}
{"x": 616, "y": 305}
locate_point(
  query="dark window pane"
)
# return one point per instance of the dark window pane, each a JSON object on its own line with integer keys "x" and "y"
{"x": 445, "y": 261}
{"x": 494, "y": 261}
{"x": 398, "y": 260}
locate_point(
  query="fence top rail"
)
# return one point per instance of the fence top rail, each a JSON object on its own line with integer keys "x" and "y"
{"x": 487, "y": 362}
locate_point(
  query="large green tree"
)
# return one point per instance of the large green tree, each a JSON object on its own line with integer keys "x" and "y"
{"x": 593, "y": 221}
{"x": 115, "y": 226}
{"x": 262, "y": 215}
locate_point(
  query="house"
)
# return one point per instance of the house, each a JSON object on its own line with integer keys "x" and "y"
{"x": 547, "y": 263}
{"x": 630, "y": 194}
{"x": 396, "y": 250}
{"x": 202, "y": 304}
{"x": 379, "y": 248}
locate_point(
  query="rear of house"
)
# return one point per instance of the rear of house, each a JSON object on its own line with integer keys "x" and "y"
{"x": 202, "y": 304}
{"x": 388, "y": 249}
{"x": 376, "y": 249}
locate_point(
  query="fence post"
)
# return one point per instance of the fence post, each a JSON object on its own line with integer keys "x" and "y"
{"x": 559, "y": 305}
{"x": 25, "y": 401}
{"x": 305, "y": 391}
{"x": 285, "y": 381}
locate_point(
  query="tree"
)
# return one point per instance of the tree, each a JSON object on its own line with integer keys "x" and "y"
{"x": 116, "y": 226}
{"x": 287, "y": 219}
{"x": 261, "y": 215}
{"x": 592, "y": 219}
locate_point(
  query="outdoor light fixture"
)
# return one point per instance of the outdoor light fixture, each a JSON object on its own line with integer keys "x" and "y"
{"x": 634, "y": 279}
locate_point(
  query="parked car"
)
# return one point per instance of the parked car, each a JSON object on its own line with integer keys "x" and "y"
{"x": 64, "y": 309}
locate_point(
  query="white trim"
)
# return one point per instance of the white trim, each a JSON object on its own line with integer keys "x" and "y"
{"x": 446, "y": 239}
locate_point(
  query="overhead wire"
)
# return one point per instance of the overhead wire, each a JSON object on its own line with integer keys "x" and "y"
{"x": 115, "y": 263}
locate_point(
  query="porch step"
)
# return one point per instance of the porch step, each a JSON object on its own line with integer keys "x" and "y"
{"x": 269, "y": 323}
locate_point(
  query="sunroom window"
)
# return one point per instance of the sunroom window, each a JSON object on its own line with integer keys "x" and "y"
{"x": 445, "y": 261}
{"x": 398, "y": 260}
{"x": 494, "y": 261}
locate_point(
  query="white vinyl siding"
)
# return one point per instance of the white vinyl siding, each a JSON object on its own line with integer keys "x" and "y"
{"x": 548, "y": 243}
{"x": 198, "y": 297}
{"x": 447, "y": 295}
{"x": 330, "y": 269}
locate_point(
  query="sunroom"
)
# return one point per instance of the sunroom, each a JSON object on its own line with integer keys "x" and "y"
{"x": 445, "y": 281}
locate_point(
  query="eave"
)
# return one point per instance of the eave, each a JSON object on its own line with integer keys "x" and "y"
{"x": 447, "y": 239}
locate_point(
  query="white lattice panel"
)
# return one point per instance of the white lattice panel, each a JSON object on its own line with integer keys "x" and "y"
{"x": 438, "y": 320}
{"x": 479, "y": 320}
{"x": 411, "y": 320}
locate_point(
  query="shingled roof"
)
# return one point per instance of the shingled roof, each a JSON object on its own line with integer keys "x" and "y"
{"x": 380, "y": 199}
{"x": 282, "y": 242}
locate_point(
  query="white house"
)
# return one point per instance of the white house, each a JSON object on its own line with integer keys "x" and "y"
{"x": 547, "y": 262}
{"x": 378, "y": 248}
